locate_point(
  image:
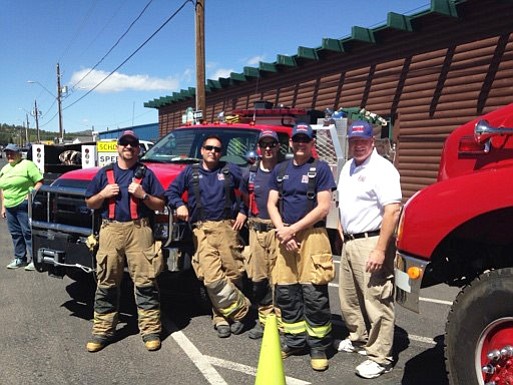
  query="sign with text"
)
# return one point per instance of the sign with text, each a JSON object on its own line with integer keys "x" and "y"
{"x": 107, "y": 152}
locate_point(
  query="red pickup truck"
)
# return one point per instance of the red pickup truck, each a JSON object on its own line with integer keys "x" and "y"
{"x": 458, "y": 231}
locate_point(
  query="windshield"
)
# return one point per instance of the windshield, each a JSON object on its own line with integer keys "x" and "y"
{"x": 184, "y": 145}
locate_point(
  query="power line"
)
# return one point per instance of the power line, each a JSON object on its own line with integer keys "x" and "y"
{"x": 82, "y": 25}
{"x": 133, "y": 53}
{"x": 115, "y": 44}
{"x": 100, "y": 32}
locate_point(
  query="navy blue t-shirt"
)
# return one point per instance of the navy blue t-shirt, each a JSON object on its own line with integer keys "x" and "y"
{"x": 123, "y": 178}
{"x": 295, "y": 187}
{"x": 260, "y": 191}
{"x": 211, "y": 191}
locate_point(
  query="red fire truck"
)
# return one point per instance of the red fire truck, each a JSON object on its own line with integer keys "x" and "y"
{"x": 64, "y": 230}
{"x": 458, "y": 231}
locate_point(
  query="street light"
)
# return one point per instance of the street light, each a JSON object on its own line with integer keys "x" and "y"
{"x": 58, "y": 98}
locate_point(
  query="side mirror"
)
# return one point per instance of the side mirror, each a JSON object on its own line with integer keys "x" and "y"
{"x": 483, "y": 131}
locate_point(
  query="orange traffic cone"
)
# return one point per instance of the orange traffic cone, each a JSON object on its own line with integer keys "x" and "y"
{"x": 270, "y": 364}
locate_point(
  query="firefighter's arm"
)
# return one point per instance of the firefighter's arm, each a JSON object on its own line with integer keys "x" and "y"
{"x": 96, "y": 201}
{"x": 282, "y": 232}
{"x": 152, "y": 202}
{"x": 390, "y": 218}
{"x": 272, "y": 209}
{"x": 182, "y": 213}
{"x": 319, "y": 212}
{"x": 239, "y": 221}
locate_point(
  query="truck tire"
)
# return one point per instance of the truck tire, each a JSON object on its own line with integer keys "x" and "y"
{"x": 480, "y": 322}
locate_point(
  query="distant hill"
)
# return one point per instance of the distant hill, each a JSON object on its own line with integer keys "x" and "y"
{"x": 10, "y": 133}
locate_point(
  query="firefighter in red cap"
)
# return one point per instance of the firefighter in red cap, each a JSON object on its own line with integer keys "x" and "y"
{"x": 261, "y": 254}
{"x": 127, "y": 194}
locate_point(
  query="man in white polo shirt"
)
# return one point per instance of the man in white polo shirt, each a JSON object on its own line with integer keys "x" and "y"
{"x": 370, "y": 197}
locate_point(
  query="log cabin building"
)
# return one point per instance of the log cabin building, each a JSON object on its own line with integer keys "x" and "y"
{"x": 427, "y": 73}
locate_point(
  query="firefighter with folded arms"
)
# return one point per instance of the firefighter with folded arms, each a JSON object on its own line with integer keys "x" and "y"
{"x": 261, "y": 255}
{"x": 299, "y": 201}
{"x": 370, "y": 200}
{"x": 126, "y": 193}
{"x": 216, "y": 217}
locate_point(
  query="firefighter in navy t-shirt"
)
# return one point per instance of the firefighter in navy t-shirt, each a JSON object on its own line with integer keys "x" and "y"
{"x": 127, "y": 194}
{"x": 216, "y": 217}
{"x": 299, "y": 200}
{"x": 261, "y": 255}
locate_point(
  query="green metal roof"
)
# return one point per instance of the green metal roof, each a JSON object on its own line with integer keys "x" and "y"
{"x": 358, "y": 34}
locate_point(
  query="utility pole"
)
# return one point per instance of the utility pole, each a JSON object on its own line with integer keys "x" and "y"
{"x": 36, "y": 117}
{"x": 200, "y": 57}
{"x": 59, "y": 97}
{"x": 26, "y": 131}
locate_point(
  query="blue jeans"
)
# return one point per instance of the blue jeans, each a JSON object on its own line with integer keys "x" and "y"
{"x": 18, "y": 224}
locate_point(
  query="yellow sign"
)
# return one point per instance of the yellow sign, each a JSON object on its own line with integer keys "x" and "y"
{"x": 109, "y": 146}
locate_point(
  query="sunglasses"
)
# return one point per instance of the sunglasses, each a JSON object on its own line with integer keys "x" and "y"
{"x": 268, "y": 144}
{"x": 212, "y": 148}
{"x": 301, "y": 139}
{"x": 125, "y": 143}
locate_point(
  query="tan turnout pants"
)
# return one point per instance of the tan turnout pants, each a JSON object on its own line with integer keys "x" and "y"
{"x": 131, "y": 243}
{"x": 219, "y": 264}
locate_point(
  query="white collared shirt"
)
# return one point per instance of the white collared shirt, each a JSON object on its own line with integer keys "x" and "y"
{"x": 365, "y": 190}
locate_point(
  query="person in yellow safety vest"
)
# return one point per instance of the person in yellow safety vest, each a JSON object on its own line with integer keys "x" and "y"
{"x": 261, "y": 254}
{"x": 216, "y": 217}
{"x": 127, "y": 195}
{"x": 299, "y": 201}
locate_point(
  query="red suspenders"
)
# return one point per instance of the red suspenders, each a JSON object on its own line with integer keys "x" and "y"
{"x": 112, "y": 201}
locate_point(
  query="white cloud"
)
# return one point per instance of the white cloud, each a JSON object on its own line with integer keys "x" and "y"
{"x": 221, "y": 73}
{"x": 253, "y": 61}
{"x": 120, "y": 82}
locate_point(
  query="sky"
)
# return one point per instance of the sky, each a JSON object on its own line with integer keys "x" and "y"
{"x": 148, "y": 49}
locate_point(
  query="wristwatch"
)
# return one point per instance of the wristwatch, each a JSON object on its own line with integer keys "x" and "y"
{"x": 145, "y": 196}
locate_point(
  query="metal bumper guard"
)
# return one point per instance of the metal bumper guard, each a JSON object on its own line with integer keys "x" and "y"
{"x": 407, "y": 291}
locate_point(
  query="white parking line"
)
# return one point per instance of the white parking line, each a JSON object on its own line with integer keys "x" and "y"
{"x": 205, "y": 364}
{"x": 248, "y": 369}
{"x": 412, "y": 337}
{"x": 439, "y": 301}
{"x": 198, "y": 359}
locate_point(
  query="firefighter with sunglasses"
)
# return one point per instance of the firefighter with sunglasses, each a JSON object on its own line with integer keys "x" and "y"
{"x": 261, "y": 254}
{"x": 216, "y": 217}
{"x": 299, "y": 201}
{"x": 126, "y": 193}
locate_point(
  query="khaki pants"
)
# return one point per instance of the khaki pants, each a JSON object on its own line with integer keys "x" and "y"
{"x": 367, "y": 299}
{"x": 218, "y": 263}
{"x": 130, "y": 242}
